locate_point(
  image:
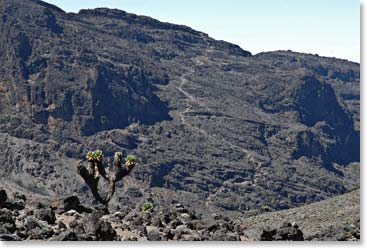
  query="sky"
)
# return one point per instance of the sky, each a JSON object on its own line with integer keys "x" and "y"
{"x": 325, "y": 27}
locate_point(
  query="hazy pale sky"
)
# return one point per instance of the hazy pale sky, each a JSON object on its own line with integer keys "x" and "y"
{"x": 326, "y": 27}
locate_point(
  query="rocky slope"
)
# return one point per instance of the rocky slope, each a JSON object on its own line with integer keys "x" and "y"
{"x": 337, "y": 218}
{"x": 213, "y": 126}
{"x": 65, "y": 219}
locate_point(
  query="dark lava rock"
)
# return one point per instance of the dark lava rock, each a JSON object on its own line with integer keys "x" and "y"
{"x": 79, "y": 229}
{"x": 18, "y": 196}
{"x": 168, "y": 234}
{"x": 267, "y": 234}
{"x": 166, "y": 219}
{"x": 9, "y": 237}
{"x": 105, "y": 232}
{"x": 222, "y": 235}
{"x": 47, "y": 215}
{"x": 142, "y": 230}
{"x": 37, "y": 230}
{"x": 31, "y": 223}
{"x": 285, "y": 232}
{"x": 153, "y": 235}
{"x": 86, "y": 238}
{"x": 6, "y": 221}
{"x": 61, "y": 225}
{"x": 3, "y": 198}
{"x": 175, "y": 223}
{"x": 71, "y": 203}
{"x": 68, "y": 235}
{"x": 3, "y": 230}
{"x": 102, "y": 230}
{"x": 16, "y": 205}
{"x": 211, "y": 225}
{"x": 90, "y": 224}
{"x": 99, "y": 208}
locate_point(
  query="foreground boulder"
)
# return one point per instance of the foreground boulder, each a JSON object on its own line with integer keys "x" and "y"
{"x": 36, "y": 229}
{"x": 68, "y": 235}
{"x": 9, "y": 237}
{"x": 7, "y": 223}
{"x": 47, "y": 215}
{"x": 71, "y": 203}
{"x": 102, "y": 230}
{"x": 3, "y": 198}
{"x": 286, "y": 232}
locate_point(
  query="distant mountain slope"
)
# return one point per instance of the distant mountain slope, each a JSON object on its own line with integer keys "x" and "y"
{"x": 212, "y": 125}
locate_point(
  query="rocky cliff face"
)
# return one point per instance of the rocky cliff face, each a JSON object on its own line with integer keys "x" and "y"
{"x": 331, "y": 134}
{"x": 65, "y": 86}
{"x": 212, "y": 125}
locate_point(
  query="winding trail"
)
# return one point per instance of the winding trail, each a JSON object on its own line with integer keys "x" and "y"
{"x": 191, "y": 101}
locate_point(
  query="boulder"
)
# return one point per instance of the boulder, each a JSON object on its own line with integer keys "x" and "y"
{"x": 105, "y": 232}
{"x": 6, "y": 221}
{"x": 16, "y": 205}
{"x": 153, "y": 233}
{"x": 185, "y": 218}
{"x": 166, "y": 218}
{"x": 9, "y": 237}
{"x": 47, "y": 215}
{"x": 285, "y": 232}
{"x": 71, "y": 203}
{"x": 182, "y": 229}
{"x": 68, "y": 235}
{"x": 36, "y": 229}
{"x": 3, "y": 198}
{"x": 90, "y": 224}
{"x": 18, "y": 196}
{"x": 102, "y": 230}
{"x": 168, "y": 234}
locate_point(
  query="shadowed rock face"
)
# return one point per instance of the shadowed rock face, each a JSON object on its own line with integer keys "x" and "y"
{"x": 70, "y": 86}
{"x": 212, "y": 125}
{"x": 332, "y": 136}
{"x": 317, "y": 102}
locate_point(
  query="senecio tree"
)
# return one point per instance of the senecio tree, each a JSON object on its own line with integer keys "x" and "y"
{"x": 95, "y": 170}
